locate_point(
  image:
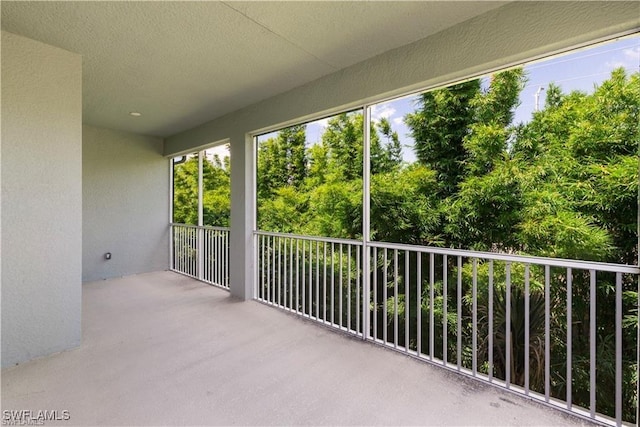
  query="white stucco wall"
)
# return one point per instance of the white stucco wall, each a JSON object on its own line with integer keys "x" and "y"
{"x": 41, "y": 195}
{"x": 125, "y": 204}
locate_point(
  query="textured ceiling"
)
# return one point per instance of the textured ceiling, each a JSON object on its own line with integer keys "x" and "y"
{"x": 183, "y": 63}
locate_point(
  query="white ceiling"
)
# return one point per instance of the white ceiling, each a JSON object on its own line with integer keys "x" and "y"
{"x": 184, "y": 63}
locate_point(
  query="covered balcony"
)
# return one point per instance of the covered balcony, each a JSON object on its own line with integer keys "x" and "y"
{"x": 132, "y": 296}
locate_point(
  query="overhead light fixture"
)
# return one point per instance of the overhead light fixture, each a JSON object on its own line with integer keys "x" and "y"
{"x": 135, "y": 114}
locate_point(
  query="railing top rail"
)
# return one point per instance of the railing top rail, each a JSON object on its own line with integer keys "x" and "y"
{"x": 204, "y": 227}
{"x": 314, "y": 238}
{"x": 553, "y": 262}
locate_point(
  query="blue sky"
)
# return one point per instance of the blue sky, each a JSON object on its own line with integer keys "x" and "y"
{"x": 581, "y": 70}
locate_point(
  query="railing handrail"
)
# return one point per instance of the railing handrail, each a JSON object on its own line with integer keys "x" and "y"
{"x": 553, "y": 262}
{"x": 203, "y": 227}
{"x": 304, "y": 237}
{"x": 527, "y": 259}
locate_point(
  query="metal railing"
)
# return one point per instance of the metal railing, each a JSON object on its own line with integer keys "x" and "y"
{"x": 318, "y": 278}
{"x": 560, "y": 331}
{"x": 201, "y": 253}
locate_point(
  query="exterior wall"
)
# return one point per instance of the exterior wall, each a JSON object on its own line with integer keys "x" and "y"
{"x": 125, "y": 204}
{"x": 509, "y": 35}
{"x": 41, "y": 199}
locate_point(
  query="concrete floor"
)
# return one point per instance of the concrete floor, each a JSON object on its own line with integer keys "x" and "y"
{"x": 163, "y": 349}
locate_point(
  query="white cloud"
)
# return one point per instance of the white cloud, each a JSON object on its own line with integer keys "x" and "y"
{"x": 380, "y": 111}
{"x": 398, "y": 120}
{"x": 632, "y": 54}
{"x": 630, "y": 58}
{"x": 612, "y": 65}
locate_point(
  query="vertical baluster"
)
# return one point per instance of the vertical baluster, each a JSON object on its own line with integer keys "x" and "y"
{"x": 459, "y": 325}
{"x": 547, "y": 336}
{"x": 526, "y": 329}
{"x": 619, "y": 349}
{"x": 318, "y": 279}
{"x": 474, "y": 316}
{"x": 324, "y": 284}
{"x": 340, "y": 290}
{"x": 297, "y": 275}
{"x": 432, "y": 328}
{"x": 349, "y": 292}
{"x": 304, "y": 276}
{"x": 592, "y": 344}
{"x": 359, "y": 273}
{"x": 333, "y": 281}
{"x": 508, "y": 345}
{"x": 226, "y": 259}
{"x": 384, "y": 298}
{"x": 216, "y": 255}
{"x": 291, "y": 274}
{"x": 491, "y": 321}
{"x": 569, "y": 338}
{"x": 406, "y": 301}
{"x": 262, "y": 267}
{"x": 178, "y": 247}
{"x": 637, "y": 278}
{"x": 187, "y": 251}
{"x": 273, "y": 285}
{"x": 280, "y": 281}
{"x": 310, "y": 294}
{"x": 375, "y": 293}
{"x": 395, "y": 298}
{"x": 445, "y": 297}
{"x": 419, "y": 303}
{"x": 207, "y": 255}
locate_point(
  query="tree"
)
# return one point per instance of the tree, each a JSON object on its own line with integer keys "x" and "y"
{"x": 439, "y": 127}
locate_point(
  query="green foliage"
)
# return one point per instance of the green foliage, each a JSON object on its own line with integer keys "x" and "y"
{"x": 439, "y": 127}
{"x": 563, "y": 185}
{"x": 216, "y": 195}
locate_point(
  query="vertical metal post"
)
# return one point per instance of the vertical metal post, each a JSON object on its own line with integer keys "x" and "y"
{"x": 172, "y": 265}
{"x": 366, "y": 219}
{"x": 200, "y": 231}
